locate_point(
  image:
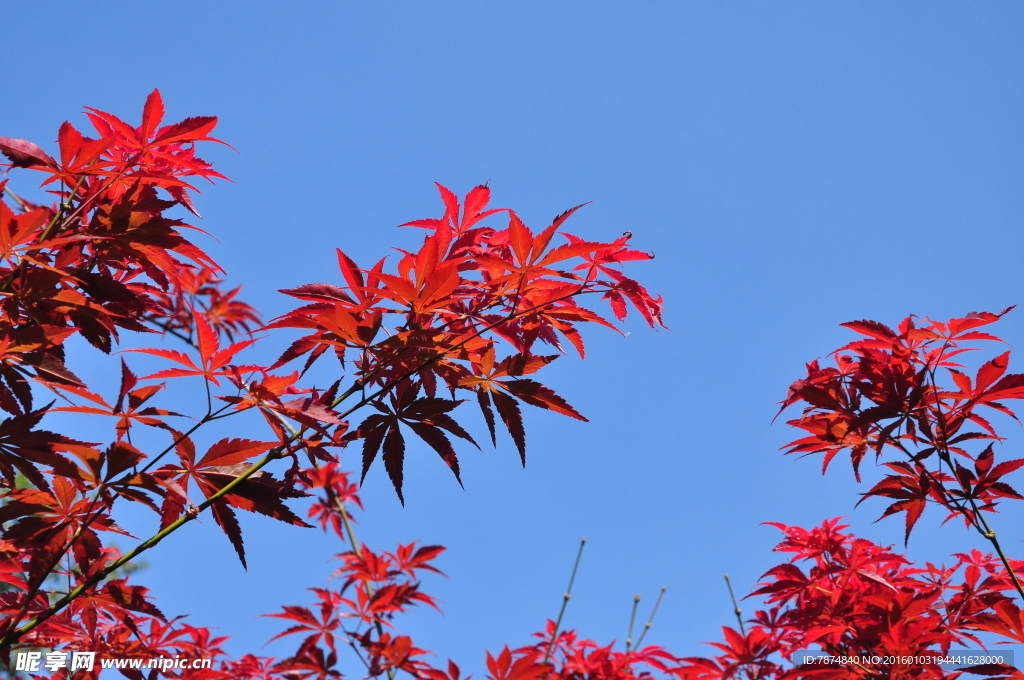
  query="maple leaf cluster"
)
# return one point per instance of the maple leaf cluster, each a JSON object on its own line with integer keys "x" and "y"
{"x": 102, "y": 259}
{"x": 858, "y": 601}
{"x": 886, "y": 396}
{"x": 461, "y": 318}
{"x": 465, "y": 313}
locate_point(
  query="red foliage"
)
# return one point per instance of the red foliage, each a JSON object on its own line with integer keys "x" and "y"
{"x": 856, "y": 600}
{"x": 463, "y": 315}
{"x": 884, "y": 396}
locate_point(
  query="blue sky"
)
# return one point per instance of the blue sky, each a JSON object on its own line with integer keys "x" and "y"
{"x": 793, "y": 165}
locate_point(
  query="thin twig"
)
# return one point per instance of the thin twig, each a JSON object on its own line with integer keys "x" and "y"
{"x": 565, "y": 598}
{"x": 735, "y": 606}
{"x": 650, "y": 619}
{"x": 632, "y": 618}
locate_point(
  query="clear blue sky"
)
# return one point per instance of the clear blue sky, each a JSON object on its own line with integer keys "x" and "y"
{"x": 793, "y": 165}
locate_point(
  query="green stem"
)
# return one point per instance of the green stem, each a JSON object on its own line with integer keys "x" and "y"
{"x": 17, "y": 199}
{"x": 565, "y": 599}
{"x": 650, "y": 619}
{"x": 735, "y": 605}
{"x": 15, "y": 635}
{"x": 632, "y": 619}
{"x": 92, "y": 514}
